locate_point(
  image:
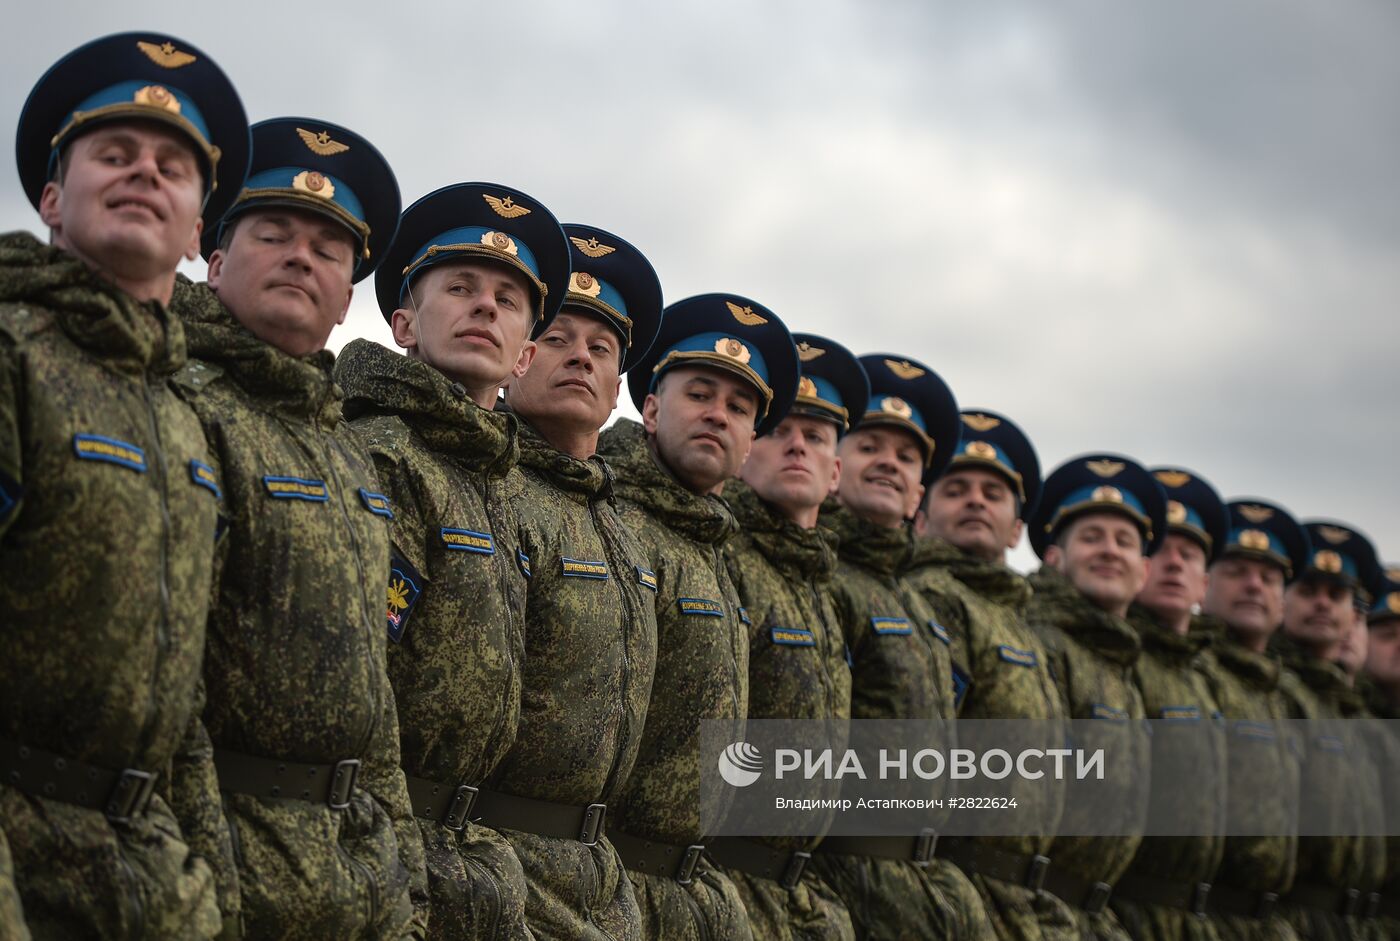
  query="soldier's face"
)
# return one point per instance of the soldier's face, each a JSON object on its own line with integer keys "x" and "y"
{"x": 702, "y": 423}
{"x": 1101, "y": 555}
{"x": 881, "y": 474}
{"x": 471, "y": 321}
{"x": 975, "y": 510}
{"x": 1177, "y": 582}
{"x": 1247, "y": 594}
{"x": 1383, "y": 652}
{"x": 1317, "y": 612}
{"x": 286, "y": 277}
{"x": 1352, "y": 656}
{"x": 573, "y": 382}
{"x": 129, "y": 201}
{"x": 795, "y": 466}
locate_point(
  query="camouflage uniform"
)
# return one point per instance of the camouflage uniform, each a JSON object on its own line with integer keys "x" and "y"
{"x": 797, "y": 670}
{"x": 1262, "y": 785}
{"x": 106, "y": 542}
{"x": 1176, "y": 695}
{"x": 1091, "y": 655}
{"x": 701, "y": 673}
{"x": 590, "y": 652}
{"x": 11, "y": 914}
{"x": 1375, "y": 705}
{"x": 901, "y": 669}
{"x": 1002, "y": 663}
{"x": 295, "y": 663}
{"x": 456, "y": 613}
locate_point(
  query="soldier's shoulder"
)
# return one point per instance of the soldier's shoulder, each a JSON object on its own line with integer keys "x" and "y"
{"x": 196, "y": 377}
{"x": 22, "y": 323}
{"x": 386, "y": 436}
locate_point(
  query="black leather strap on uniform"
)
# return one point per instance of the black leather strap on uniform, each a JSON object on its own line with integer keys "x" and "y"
{"x": 120, "y": 795}
{"x": 1241, "y": 903}
{"x": 328, "y": 784}
{"x": 758, "y": 859}
{"x": 1164, "y": 893}
{"x": 449, "y": 804}
{"x": 982, "y": 860}
{"x": 654, "y": 858}
{"x": 917, "y": 849}
{"x": 1327, "y": 898}
{"x": 543, "y": 818}
{"x": 1091, "y": 896}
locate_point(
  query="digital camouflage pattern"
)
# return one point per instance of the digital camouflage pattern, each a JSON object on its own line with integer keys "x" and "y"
{"x": 901, "y": 668}
{"x": 701, "y": 673}
{"x": 797, "y": 670}
{"x": 1091, "y": 655}
{"x": 590, "y": 653}
{"x": 12, "y": 926}
{"x": 1176, "y": 695}
{"x": 106, "y": 545}
{"x": 455, "y": 611}
{"x": 295, "y": 664}
{"x": 1003, "y": 663}
{"x": 1384, "y": 741}
{"x": 1262, "y": 778}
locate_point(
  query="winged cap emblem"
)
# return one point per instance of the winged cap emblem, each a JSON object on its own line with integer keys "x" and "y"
{"x": 1334, "y": 534}
{"x": 1173, "y": 478}
{"x": 1255, "y": 513}
{"x": 505, "y": 207}
{"x": 592, "y": 247}
{"x": 894, "y": 405}
{"x": 165, "y": 54}
{"x": 1107, "y": 495}
{"x": 745, "y": 314}
{"x": 321, "y": 144}
{"x": 807, "y": 352}
{"x": 904, "y": 369}
{"x": 1106, "y": 468}
{"x": 979, "y": 422}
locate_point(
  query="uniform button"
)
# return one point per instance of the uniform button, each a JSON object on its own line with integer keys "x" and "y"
{"x": 458, "y": 390}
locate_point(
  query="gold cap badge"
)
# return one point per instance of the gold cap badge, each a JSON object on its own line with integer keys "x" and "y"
{"x": 500, "y": 242}
{"x": 581, "y": 282}
{"x": 1176, "y": 512}
{"x": 309, "y": 181}
{"x": 591, "y": 247}
{"x": 1173, "y": 478}
{"x": 1334, "y": 534}
{"x": 1392, "y": 602}
{"x": 1255, "y": 513}
{"x": 157, "y": 96}
{"x": 1106, "y": 468}
{"x": 505, "y": 207}
{"x": 1327, "y": 561}
{"x": 980, "y": 450}
{"x": 979, "y": 422}
{"x": 321, "y": 144}
{"x": 806, "y": 387}
{"x": 904, "y": 369}
{"x": 1107, "y": 495}
{"x": 1254, "y": 540}
{"x": 896, "y": 406}
{"x": 733, "y": 349}
{"x": 745, "y": 315}
{"x": 165, "y": 54}
{"x": 807, "y": 352}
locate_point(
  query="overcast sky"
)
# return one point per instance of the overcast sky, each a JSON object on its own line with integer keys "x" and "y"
{"x": 1170, "y": 230}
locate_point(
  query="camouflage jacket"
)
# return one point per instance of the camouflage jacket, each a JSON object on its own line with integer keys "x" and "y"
{"x": 295, "y": 664}
{"x": 590, "y": 633}
{"x": 108, "y": 513}
{"x": 701, "y": 643}
{"x": 1091, "y": 655}
{"x": 1263, "y": 772}
{"x": 457, "y": 590}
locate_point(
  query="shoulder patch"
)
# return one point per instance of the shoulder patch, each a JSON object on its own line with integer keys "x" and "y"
{"x": 702, "y": 606}
{"x": 940, "y": 632}
{"x": 581, "y": 568}
{"x": 296, "y": 488}
{"x": 196, "y": 374}
{"x": 1330, "y": 743}
{"x": 465, "y": 540}
{"x": 110, "y": 450}
{"x": 645, "y": 578}
{"x": 522, "y": 560}
{"x": 1255, "y": 731}
{"x": 1181, "y": 713}
{"x": 405, "y": 586}
{"x": 744, "y": 615}
{"x": 1021, "y": 658}
{"x": 376, "y": 503}
{"x": 961, "y": 684}
{"x": 891, "y": 625}
{"x": 792, "y": 637}
{"x": 10, "y": 492}
{"x": 203, "y": 476}
{"x": 1101, "y": 711}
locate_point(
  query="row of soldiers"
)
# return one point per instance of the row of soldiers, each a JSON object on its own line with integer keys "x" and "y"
{"x": 300, "y": 646}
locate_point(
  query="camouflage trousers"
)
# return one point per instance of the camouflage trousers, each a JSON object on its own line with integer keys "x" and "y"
{"x": 476, "y": 883}
{"x": 1313, "y": 924}
{"x": 80, "y": 876}
{"x": 810, "y": 911}
{"x": 11, "y": 915}
{"x": 707, "y": 909}
{"x": 1021, "y": 914}
{"x": 1101, "y": 926}
{"x": 576, "y": 892}
{"x": 1235, "y": 928}
{"x": 896, "y": 899}
{"x": 1156, "y": 923}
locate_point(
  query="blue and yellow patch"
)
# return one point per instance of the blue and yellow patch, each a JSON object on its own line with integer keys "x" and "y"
{"x": 465, "y": 540}
{"x": 1330, "y": 743}
{"x": 111, "y": 450}
{"x": 646, "y": 579}
{"x": 1100, "y": 711}
{"x": 522, "y": 560}
{"x": 744, "y": 615}
{"x": 10, "y": 492}
{"x": 202, "y": 475}
{"x": 1021, "y": 658}
{"x": 792, "y": 637}
{"x": 376, "y": 503}
{"x": 940, "y": 632}
{"x": 405, "y": 586}
{"x": 961, "y": 684}
{"x": 1255, "y": 731}
{"x": 891, "y": 625}
{"x": 1181, "y": 713}
{"x": 581, "y": 568}
{"x": 296, "y": 488}
{"x": 701, "y": 606}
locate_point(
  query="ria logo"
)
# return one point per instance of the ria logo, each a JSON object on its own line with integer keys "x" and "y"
{"x": 740, "y": 764}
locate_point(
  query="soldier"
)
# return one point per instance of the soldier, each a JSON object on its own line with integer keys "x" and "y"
{"x": 722, "y": 368}
{"x": 973, "y": 514}
{"x": 782, "y": 564}
{"x": 1163, "y": 894}
{"x": 1339, "y": 865}
{"x": 1243, "y": 608}
{"x": 108, "y": 506}
{"x": 590, "y": 627}
{"x": 1382, "y": 675}
{"x": 300, "y": 711}
{"x": 474, "y": 268}
{"x": 1101, "y": 517}
{"x": 901, "y": 667}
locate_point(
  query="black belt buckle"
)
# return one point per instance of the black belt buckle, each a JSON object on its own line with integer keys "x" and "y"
{"x": 1199, "y": 897}
{"x": 1351, "y": 899}
{"x": 1097, "y": 899}
{"x": 130, "y": 795}
{"x": 1036, "y": 872}
{"x": 1267, "y": 902}
{"x": 925, "y": 844}
{"x": 459, "y": 811}
{"x": 689, "y": 861}
{"x": 343, "y": 777}
{"x": 792, "y": 873}
{"x": 592, "y": 829}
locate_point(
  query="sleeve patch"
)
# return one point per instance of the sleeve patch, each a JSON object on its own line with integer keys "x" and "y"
{"x": 522, "y": 560}
{"x": 1255, "y": 731}
{"x": 700, "y": 606}
{"x": 10, "y": 492}
{"x": 940, "y": 632}
{"x": 465, "y": 540}
{"x": 296, "y": 488}
{"x": 1181, "y": 713}
{"x": 100, "y": 448}
{"x": 961, "y": 684}
{"x": 1022, "y": 658}
{"x": 1100, "y": 711}
{"x": 1330, "y": 743}
{"x": 744, "y": 615}
{"x": 405, "y": 586}
{"x": 376, "y": 503}
{"x": 202, "y": 475}
{"x": 646, "y": 579}
{"x": 792, "y": 637}
{"x": 581, "y": 568}
{"x": 891, "y": 626}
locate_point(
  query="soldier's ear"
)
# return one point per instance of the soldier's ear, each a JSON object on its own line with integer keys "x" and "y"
{"x": 1053, "y": 556}
{"x": 215, "y": 274}
{"x": 349, "y": 293}
{"x": 1017, "y": 527}
{"x": 835, "y": 478}
{"x": 527, "y": 356}
{"x": 404, "y": 323}
{"x": 192, "y": 249}
{"x": 51, "y": 205}
{"x": 651, "y": 407}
